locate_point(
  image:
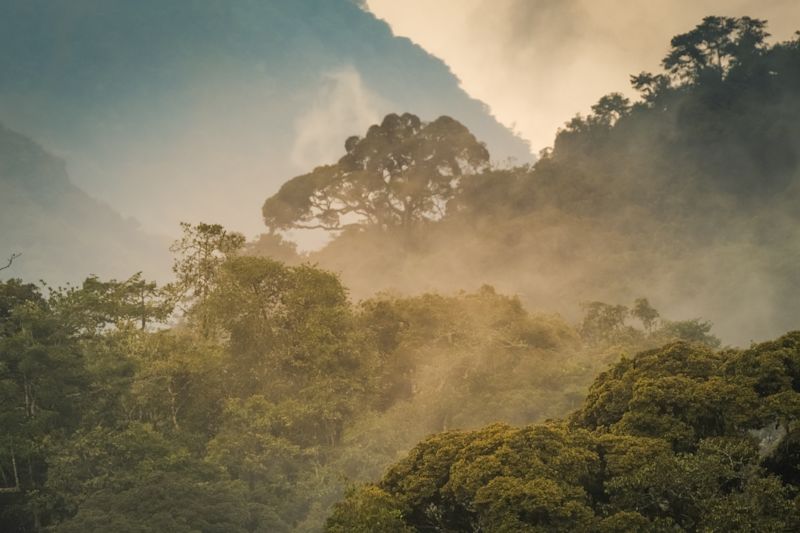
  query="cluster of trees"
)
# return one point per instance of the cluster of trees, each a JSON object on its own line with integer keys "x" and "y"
{"x": 606, "y": 324}
{"x": 241, "y": 396}
{"x": 680, "y": 438}
{"x": 639, "y": 197}
{"x": 114, "y": 420}
{"x": 724, "y": 109}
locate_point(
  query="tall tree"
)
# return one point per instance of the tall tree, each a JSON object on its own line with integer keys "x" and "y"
{"x": 42, "y": 385}
{"x": 400, "y": 173}
{"x": 200, "y": 252}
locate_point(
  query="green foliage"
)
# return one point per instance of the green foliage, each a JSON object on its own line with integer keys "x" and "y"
{"x": 97, "y": 304}
{"x": 665, "y": 441}
{"x": 645, "y": 313}
{"x": 137, "y": 480}
{"x": 177, "y": 382}
{"x": 281, "y": 389}
{"x": 291, "y": 336}
{"x": 607, "y": 326}
{"x": 272, "y": 391}
{"x": 365, "y": 510}
{"x": 198, "y": 255}
{"x": 253, "y": 412}
{"x": 477, "y": 349}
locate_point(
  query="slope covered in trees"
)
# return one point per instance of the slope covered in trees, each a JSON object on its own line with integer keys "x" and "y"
{"x": 248, "y": 393}
{"x": 243, "y": 395}
{"x": 681, "y": 438}
{"x": 688, "y": 194}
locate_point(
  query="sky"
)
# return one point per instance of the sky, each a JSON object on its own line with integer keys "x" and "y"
{"x": 536, "y": 63}
{"x": 171, "y": 111}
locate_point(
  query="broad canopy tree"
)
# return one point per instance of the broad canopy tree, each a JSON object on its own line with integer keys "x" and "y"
{"x": 400, "y": 173}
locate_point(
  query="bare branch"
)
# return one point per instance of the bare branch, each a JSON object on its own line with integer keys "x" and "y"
{"x": 10, "y": 260}
{"x": 327, "y": 227}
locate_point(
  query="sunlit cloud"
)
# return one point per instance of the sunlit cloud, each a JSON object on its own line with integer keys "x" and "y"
{"x": 342, "y": 107}
{"x": 538, "y": 62}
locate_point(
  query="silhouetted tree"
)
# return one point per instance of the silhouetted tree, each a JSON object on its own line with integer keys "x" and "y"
{"x": 402, "y": 172}
{"x": 713, "y": 45}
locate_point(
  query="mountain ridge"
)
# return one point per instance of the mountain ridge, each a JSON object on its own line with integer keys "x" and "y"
{"x": 62, "y": 233}
{"x": 172, "y": 111}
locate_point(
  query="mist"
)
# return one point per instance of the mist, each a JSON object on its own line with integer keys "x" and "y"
{"x": 169, "y": 112}
{"x": 272, "y": 266}
{"x": 538, "y": 63}
{"x": 681, "y": 205}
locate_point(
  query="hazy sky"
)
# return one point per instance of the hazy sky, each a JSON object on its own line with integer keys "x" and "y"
{"x": 171, "y": 111}
{"x": 538, "y": 62}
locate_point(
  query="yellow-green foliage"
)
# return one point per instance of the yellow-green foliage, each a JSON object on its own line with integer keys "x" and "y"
{"x": 671, "y": 439}
{"x": 269, "y": 393}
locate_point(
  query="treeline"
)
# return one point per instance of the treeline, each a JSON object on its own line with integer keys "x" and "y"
{"x": 243, "y": 395}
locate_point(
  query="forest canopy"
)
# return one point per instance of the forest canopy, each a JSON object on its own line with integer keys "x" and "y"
{"x": 242, "y": 395}
{"x": 264, "y": 389}
{"x": 681, "y": 438}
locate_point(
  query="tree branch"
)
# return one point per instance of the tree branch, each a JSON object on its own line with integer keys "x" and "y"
{"x": 317, "y": 226}
{"x": 10, "y": 260}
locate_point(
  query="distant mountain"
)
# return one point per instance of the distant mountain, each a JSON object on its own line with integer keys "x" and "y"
{"x": 173, "y": 110}
{"x": 62, "y": 233}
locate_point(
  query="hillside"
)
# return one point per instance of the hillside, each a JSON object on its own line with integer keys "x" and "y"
{"x": 576, "y": 344}
{"x": 62, "y": 233}
{"x": 688, "y": 195}
{"x": 253, "y": 411}
{"x": 174, "y": 111}
{"x": 675, "y": 439}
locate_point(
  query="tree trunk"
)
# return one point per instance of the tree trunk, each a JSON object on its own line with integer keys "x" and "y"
{"x": 173, "y": 403}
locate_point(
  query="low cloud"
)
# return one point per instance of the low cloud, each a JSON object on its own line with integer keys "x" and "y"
{"x": 537, "y": 63}
{"x": 343, "y": 106}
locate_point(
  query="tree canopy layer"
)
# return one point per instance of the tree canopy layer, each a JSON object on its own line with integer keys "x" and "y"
{"x": 241, "y": 396}
{"x": 680, "y": 438}
{"x": 251, "y": 395}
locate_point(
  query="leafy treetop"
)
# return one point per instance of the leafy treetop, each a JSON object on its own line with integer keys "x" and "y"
{"x": 400, "y": 173}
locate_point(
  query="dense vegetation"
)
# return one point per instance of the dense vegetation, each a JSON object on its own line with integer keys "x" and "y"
{"x": 250, "y": 392}
{"x": 646, "y": 197}
{"x": 681, "y": 438}
{"x": 271, "y": 389}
